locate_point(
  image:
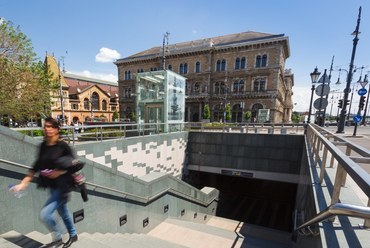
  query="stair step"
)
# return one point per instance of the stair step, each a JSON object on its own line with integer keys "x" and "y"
{"x": 194, "y": 235}
{"x": 20, "y": 240}
{"x": 39, "y": 237}
{"x": 7, "y": 244}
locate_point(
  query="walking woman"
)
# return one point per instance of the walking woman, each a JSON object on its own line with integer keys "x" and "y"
{"x": 59, "y": 182}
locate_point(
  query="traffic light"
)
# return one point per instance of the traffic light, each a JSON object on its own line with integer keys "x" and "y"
{"x": 340, "y": 103}
{"x": 362, "y": 102}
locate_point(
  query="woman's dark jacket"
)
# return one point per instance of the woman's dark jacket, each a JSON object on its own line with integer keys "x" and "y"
{"x": 48, "y": 159}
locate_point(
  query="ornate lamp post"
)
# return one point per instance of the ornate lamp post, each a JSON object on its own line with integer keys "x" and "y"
{"x": 367, "y": 101}
{"x": 349, "y": 77}
{"x": 314, "y": 76}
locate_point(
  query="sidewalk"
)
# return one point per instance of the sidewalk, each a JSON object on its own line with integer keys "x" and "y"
{"x": 362, "y": 137}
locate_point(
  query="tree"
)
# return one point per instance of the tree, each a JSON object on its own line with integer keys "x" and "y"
{"x": 228, "y": 112}
{"x": 248, "y": 115}
{"x": 296, "y": 117}
{"x": 25, "y": 82}
{"x": 115, "y": 115}
{"x": 206, "y": 112}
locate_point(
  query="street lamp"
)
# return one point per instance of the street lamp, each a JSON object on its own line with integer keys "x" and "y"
{"x": 349, "y": 77}
{"x": 367, "y": 101}
{"x": 314, "y": 76}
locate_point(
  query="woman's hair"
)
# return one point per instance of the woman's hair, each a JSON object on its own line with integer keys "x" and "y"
{"x": 54, "y": 123}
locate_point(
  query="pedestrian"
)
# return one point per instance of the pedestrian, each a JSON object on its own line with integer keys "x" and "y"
{"x": 59, "y": 181}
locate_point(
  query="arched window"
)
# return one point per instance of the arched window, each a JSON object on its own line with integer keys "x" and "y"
{"x": 255, "y": 109}
{"x": 223, "y": 65}
{"x": 127, "y": 75}
{"x": 218, "y": 65}
{"x": 242, "y": 63}
{"x": 259, "y": 84}
{"x": 187, "y": 90}
{"x": 185, "y": 68}
{"x": 237, "y": 64}
{"x": 264, "y": 61}
{"x": 169, "y": 67}
{"x": 258, "y": 61}
{"x": 95, "y": 101}
{"x": 237, "y": 113}
{"x": 181, "y": 71}
{"x": 86, "y": 104}
{"x": 261, "y": 61}
{"x": 241, "y": 86}
{"x": 104, "y": 105}
{"x": 197, "y": 67}
{"x": 218, "y": 112}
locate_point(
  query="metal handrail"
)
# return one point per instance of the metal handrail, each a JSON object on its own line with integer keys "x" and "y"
{"x": 338, "y": 209}
{"x": 357, "y": 173}
{"x": 129, "y": 195}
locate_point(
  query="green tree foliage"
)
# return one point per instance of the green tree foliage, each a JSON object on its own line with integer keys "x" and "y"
{"x": 25, "y": 86}
{"x": 228, "y": 112}
{"x": 248, "y": 115}
{"x": 295, "y": 117}
{"x": 115, "y": 115}
{"x": 206, "y": 112}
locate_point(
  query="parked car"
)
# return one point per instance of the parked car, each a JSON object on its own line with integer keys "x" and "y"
{"x": 32, "y": 124}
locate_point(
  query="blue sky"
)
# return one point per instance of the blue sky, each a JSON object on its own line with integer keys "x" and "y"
{"x": 94, "y": 33}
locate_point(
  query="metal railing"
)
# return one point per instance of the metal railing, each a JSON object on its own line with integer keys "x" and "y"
{"x": 321, "y": 148}
{"x": 135, "y": 197}
{"x": 102, "y": 132}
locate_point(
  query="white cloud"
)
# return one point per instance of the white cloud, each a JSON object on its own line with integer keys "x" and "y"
{"x": 194, "y": 31}
{"x": 106, "y": 77}
{"x": 107, "y": 55}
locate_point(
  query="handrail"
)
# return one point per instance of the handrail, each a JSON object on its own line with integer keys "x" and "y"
{"x": 358, "y": 174}
{"x": 129, "y": 195}
{"x": 338, "y": 209}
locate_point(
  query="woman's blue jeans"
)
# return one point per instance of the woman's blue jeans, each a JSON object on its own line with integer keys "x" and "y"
{"x": 57, "y": 202}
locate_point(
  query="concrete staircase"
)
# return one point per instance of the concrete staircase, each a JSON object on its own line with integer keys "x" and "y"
{"x": 174, "y": 233}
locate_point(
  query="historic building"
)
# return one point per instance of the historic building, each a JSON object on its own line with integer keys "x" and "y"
{"x": 245, "y": 71}
{"x": 84, "y": 99}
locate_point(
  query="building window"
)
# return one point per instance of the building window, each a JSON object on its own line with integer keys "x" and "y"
{"x": 187, "y": 90}
{"x": 95, "y": 101}
{"x": 197, "y": 88}
{"x": 104, "y": 105}
{"x": 184, "y": 68}
{"x": 127, "y": 75}
{"x": 86, "y": 104}
{"x": 140, "y": 70}
{"x": 127, "y": 92}
{"x": 237, "y": 64}
{"x": 221, "y": 65}
{"x": 169, "y": 67}
{"x": 197, "y": 67}
{"x": 74, "y": 106}
{"x": 153, "y": 69}
{"x": 242, "y": 63}
{"x": 218, "y": 65}
{"x": 220, "y": 88}
{"x": 259, "y": 85}
{"x": 238, "y": 87}
{"x": 261, "y": 61}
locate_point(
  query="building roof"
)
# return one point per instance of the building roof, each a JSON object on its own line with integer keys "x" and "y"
{"x": 78, "y": 84}
{"x": 238, "y": 39}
